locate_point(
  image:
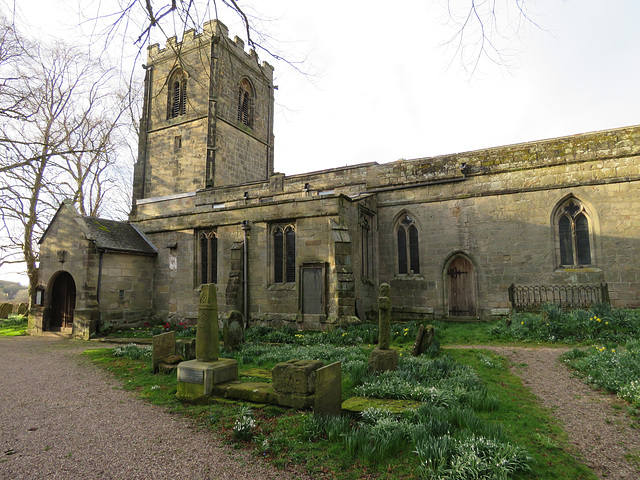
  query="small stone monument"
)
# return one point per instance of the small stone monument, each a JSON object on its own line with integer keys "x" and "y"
{"x": 382, "y": 358}
{"x": 5, "y": 310}
{"x": 233, "y": 330}
{"x": 197, "y": 377}
{"x": 328, "y": 395}
{"x": 296, "y": 376}
{"x": 424, "y": 339}
{"x": 164, "y": 345}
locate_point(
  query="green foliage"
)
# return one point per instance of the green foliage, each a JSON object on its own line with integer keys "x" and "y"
{"x": 355, "y": 335}
{"x": 14, "y": 326}
{"x": 132, "y": 352}
{"x": 523, "y": 419}
{"x": 615, "y": 369}
{"x": 600, "y": 324}
{"x": 472, "y": 457}
{"x": 380, "y": 444}
{"x": 243, "y": 427}
{"x": 440, "y": 382}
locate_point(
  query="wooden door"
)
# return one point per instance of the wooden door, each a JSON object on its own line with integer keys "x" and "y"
{"x": 63, "y": 302}
{"x": 462, "y": 288}
{"x": 313, "y": 290}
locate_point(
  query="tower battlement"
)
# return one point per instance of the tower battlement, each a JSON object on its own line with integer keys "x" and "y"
{"x": 213, "y": 30}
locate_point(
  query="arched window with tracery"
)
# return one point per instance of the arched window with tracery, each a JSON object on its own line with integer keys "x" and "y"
{"x": 408, "y": 246}
{"x": 245, "y": 103}
{"x": 284, "y": 254}
{"x": 573, "y": 233}
{"x": 208, "y": 256}
{"x": 177, "y": 101}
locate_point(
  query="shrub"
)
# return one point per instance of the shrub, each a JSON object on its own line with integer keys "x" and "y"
{"x": 600, "y": 324}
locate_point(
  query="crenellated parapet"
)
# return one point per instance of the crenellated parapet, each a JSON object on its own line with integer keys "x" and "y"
{"x": 213, "y": 30}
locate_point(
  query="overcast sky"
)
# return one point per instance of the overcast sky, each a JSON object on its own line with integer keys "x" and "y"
{"x": 386, "y": 86}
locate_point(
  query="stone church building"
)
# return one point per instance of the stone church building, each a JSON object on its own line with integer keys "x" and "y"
{"x": 467, "y": 235}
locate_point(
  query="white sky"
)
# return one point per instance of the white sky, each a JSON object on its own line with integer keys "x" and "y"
{"x": 387, "y": 89}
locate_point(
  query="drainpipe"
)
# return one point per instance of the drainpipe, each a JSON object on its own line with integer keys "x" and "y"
{"x": 246, "y": 226}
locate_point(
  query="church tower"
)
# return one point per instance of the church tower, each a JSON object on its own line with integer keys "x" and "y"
{"x": 207, "y": 119}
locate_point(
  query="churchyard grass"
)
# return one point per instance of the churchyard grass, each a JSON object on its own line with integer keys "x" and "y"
{"x": 15, "y": 325}
{"x": 475, "y": 410}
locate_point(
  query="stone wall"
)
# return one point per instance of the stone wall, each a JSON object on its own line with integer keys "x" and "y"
{"x": 207, "y": 145}
{"x": 498, "y": 215}
{"x": 126, "y": 288}
{"x": 64, "y": 248}
{"x": 110, "y": 286}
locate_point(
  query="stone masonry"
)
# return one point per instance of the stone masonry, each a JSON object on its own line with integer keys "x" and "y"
{"x": 472, "y": 223}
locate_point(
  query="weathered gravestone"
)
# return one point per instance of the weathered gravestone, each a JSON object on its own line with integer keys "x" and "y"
{"x": 424, "y": 339}
{"x": 197, "y": 377}
{"x": 296, "y": 376}
{"x": 233, "y": 330}
{"x": 5, "y": 310}
{"x": 22, "y": 308}
{"x": 164, "y": 346}
{"x": 328, "y": 399}
{"x": 382, "y": 358}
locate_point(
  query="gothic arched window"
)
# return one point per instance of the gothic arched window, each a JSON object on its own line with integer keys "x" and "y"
{"x": 284, "y": 254}
{"x": 208, "y": 256}
{"x": 408, "y": 246}
{"x": 245, "y": 103}
{"x": 177, "y": 101}
{"x": 572, "y": 227}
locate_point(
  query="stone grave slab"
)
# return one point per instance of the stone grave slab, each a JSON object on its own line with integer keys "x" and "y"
{"x": 328, "y": 395}
{"x": 196, "y": 379}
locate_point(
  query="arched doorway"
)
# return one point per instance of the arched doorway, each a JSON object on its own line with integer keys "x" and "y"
{"x": 63, "y": 302}
{"x": 461, "y": 287}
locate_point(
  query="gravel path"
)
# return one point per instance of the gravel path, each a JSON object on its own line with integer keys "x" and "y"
{"x": 63, "y": 418}
{"x": 600, "y": 431}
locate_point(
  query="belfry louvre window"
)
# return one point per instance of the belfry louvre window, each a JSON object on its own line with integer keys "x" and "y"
{"x": 408, "y": 246}
{"x": 284, "y": 254}
{"x": 574, "y": 234}
{"x": 208, "y": 257}
{"x": 177, "y": 103}
{"x": 245, "y": 103}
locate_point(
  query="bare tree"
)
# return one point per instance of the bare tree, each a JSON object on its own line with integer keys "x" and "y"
{"x": 62, "y": 147}
{"x": 484, "y": 29}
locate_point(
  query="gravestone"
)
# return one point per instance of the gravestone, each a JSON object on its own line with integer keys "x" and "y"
{"x": 424, "y": 339}
{"x": 186, "y": 347}
{"x": 163, "y": 345}
{"x": 328, "y": 399}
{"x": 382, "y": 358}
{"x": 5, "y": 310}
{"x": 22, "y": 308}
{"x": 233, "y": 330}
{"x": 296, "y": 376}
{"x": 196, "y": 378}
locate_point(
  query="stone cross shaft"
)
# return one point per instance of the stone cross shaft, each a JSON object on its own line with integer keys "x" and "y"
{"x": 384, "y": 317}
{"x": 207, "y": 340}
